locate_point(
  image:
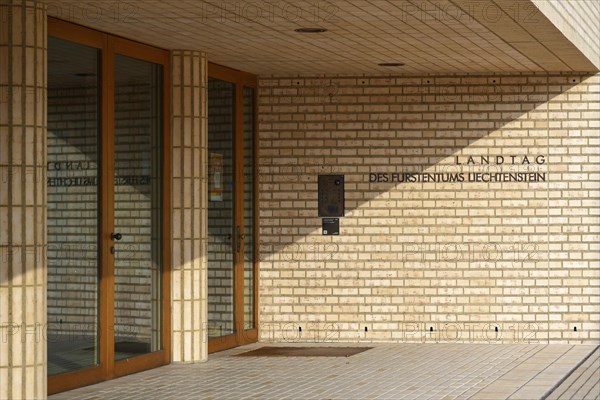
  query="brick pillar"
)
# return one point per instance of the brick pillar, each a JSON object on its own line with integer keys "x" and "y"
{"x": 190, "y": 207}
{"x": 22, "y": 199}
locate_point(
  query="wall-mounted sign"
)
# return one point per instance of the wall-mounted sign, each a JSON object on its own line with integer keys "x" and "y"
{"x": 76, "y": 181}
{"x": 331, "y": 226}
{"x": 459, "y": 177}
{"x": 216, "y": 177}
{"x": 519, "y": 169}
{"x": 71, "y": 165}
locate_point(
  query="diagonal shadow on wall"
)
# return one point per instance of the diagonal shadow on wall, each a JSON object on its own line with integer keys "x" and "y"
{"x": 406, "y": 247}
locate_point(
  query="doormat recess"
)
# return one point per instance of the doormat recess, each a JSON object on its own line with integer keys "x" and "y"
{"x": 275, "y": 351}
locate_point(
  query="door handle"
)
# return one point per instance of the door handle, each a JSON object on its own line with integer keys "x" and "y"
{"x": 116, "y": 236}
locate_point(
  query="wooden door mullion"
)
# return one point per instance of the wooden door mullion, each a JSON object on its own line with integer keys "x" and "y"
{"x": 107, "y": 260}
{"x": 239, "y": 211}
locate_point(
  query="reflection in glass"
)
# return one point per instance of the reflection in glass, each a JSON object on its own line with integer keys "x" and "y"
{"x": 221, "y": 321}
{"x": 249, "y": 208}
{"x": 72, "y": 190}
{"x": 137, "y": 206}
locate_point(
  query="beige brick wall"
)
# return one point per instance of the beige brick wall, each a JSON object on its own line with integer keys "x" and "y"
{"x": 189, "y": 204}
{"x": 461, "y": 258}
{"x": 23, "y": 204}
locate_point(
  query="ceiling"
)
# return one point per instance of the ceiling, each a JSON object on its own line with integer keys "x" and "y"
{"x": 451, "y": 36}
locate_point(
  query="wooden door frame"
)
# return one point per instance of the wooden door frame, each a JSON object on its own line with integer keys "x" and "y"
{"x": 240, "y": 80}
{"x": 161, "y": 57}
{"x": 108, "y": 46}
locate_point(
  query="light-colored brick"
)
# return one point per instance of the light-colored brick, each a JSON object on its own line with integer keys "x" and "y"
{"x": 438, "y": 251}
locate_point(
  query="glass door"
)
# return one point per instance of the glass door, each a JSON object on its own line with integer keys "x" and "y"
{"x": 108, "y": 219}
{"x": 135, "y": 237}
{"x": 221, "y": 209}
{"x": 232, "y": 232}
{"x": 73, "y": 195}
{"x": 137, "y": 231}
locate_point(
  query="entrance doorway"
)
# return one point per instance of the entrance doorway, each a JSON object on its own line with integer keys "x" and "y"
{"x": 232, "y": 209}
{"x": 108, "y": 224}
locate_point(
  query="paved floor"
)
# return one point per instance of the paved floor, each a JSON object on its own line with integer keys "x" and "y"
{"x": 388, "y": 371}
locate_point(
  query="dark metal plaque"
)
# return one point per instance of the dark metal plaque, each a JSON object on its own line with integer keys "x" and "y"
{"x": 331, "y": 195}
{"x": 331, "y": 226}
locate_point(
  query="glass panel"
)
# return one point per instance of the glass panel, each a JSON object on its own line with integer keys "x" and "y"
{"x": 137, "y": 205}
{"x": 249, "y": 208}
{"x": 221, "y": 119}
{"x": 73, "y": 186}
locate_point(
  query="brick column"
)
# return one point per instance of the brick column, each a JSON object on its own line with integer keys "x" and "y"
{"x": 190, "y": 207}
{"x": 22, "y": 199}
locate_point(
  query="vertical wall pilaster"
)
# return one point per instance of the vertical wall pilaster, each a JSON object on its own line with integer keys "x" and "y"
{"x": 189, "y": 264}
{"x": 23, "y": 203}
